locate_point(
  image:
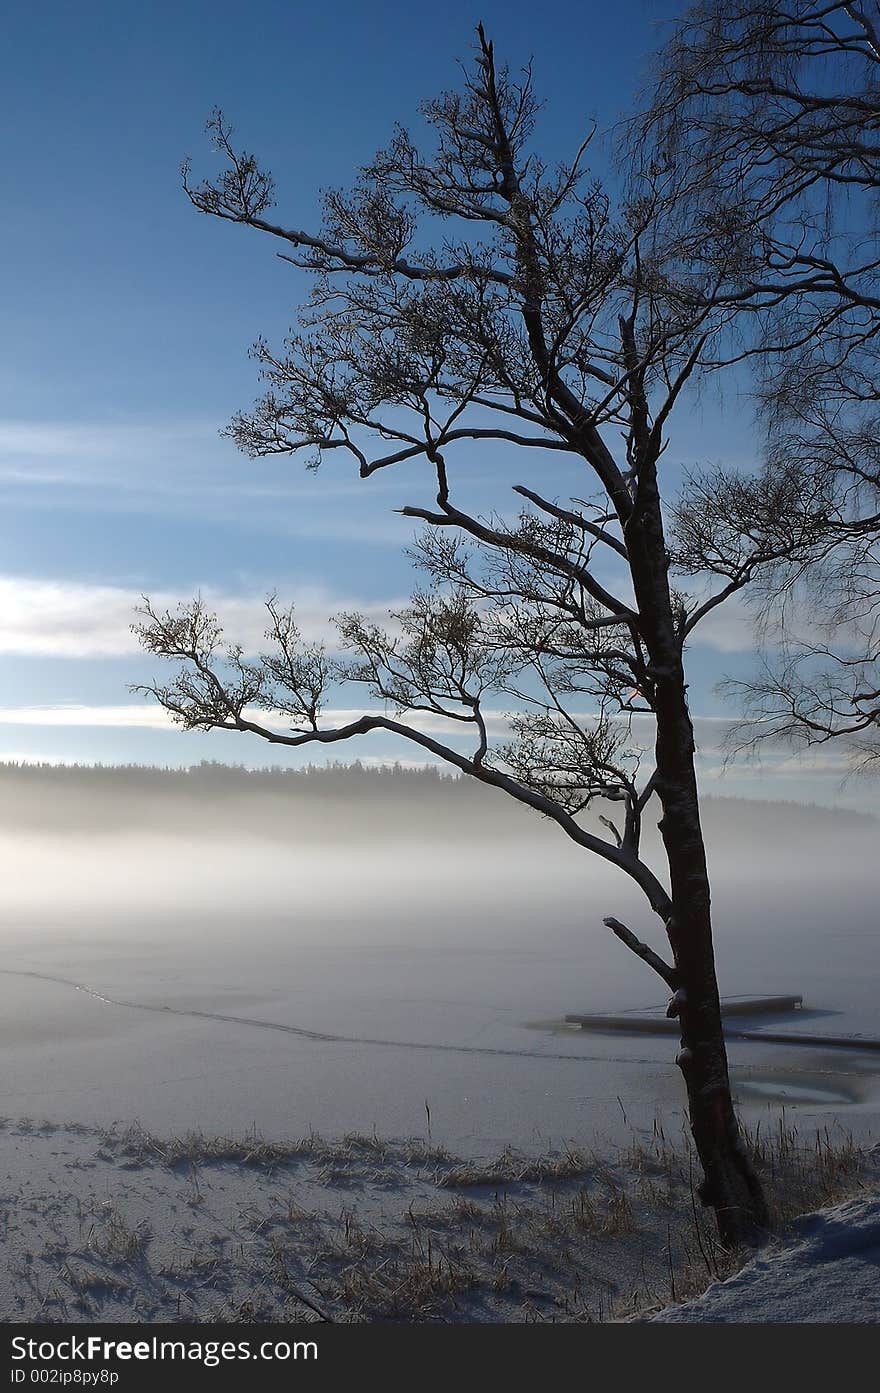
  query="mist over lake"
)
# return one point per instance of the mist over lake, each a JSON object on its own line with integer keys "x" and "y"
{"x": 334, "y": 950}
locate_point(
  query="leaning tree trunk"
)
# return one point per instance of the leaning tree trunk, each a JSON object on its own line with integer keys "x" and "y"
{"x": 730, "y": 1185}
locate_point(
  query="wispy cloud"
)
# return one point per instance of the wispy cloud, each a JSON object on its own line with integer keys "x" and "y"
{"x": 52, "y": 618}
{"x": 183, "y": 467}
{"x": 144, "y": 716}
{"x": 96, "y": 440}
{"x": 175, "y": 457}
{"x": 149, "y": 715}
{"x": 730, "y": 628}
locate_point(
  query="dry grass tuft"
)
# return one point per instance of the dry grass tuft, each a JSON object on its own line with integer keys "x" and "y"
{"x": 115, "y": 1240}
{"x": 402, "y": 1231}
{"x": 355, "y": 1152}
{"x": 803, "y": 1173}
{"x": 513, "y": 1168}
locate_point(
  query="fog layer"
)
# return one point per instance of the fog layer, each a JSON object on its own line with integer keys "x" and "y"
{"x": 332, "y": 951}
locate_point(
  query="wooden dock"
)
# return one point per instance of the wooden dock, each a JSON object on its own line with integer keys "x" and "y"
{"x": 651, "y": 1023}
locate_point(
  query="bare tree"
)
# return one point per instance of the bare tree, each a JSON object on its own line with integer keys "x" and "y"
{"x": 768, "y": 113}
{"x": 546, "y": 323}
{"x": 817, "y": 610}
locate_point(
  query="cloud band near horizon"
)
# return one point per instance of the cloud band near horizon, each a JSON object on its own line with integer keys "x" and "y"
{"x": 45, "y": 617}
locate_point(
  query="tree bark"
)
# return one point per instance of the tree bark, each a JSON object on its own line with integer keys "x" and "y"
{"x": 730, "y": 1186}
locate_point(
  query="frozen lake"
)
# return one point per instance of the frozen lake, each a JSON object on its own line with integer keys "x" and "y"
{"x": 370, "y": 978}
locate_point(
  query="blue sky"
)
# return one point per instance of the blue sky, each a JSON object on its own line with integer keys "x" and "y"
{"x": 127, "y": 319}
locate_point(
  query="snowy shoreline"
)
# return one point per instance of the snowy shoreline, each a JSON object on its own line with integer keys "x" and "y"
{"x": 825, "y": 1272}
{"x": 119, "y": 1225}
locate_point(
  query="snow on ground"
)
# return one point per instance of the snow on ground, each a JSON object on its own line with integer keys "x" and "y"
{"x": 122, "y": 1226}
{"x": 119, "y": 1225}
{"x": 827, "y": 1274}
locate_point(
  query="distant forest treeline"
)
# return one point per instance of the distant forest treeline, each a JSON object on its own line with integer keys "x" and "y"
{"x": 312, "y": 779}
{"x": 330, "y": 802}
